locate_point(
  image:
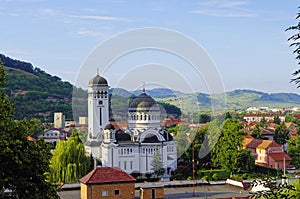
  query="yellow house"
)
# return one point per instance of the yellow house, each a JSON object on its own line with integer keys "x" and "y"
{"x": 107, "y": 182}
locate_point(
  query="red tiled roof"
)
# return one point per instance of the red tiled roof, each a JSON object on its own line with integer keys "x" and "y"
{"x": 106, "y": 175}
{"x": 280, "y": 156}
{"x": 254, "y": 143}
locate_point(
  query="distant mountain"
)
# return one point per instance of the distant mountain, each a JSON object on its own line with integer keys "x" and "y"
{"x": 39, "y": 94}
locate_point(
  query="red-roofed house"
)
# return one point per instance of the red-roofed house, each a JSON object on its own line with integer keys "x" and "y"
{"x": 107, "y": 182}
{"x": 267, "y": 153}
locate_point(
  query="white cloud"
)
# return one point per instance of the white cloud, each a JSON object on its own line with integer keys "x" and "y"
{"x": 101, "y": 18}
{"x": 224, "y": 8}
{"x": 48, "y": 11}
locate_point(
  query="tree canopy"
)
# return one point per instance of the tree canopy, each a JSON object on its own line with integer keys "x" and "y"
{"x": 295, "y": 42}
{"x": 69, "y": 161}
{"x": 23, "y": 163}
{"x": 228, "y": 153}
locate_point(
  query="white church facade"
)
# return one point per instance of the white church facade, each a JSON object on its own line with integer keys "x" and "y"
{"x": 133, "y": 149}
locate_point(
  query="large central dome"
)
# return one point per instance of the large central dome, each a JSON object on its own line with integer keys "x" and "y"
{"x": 143, "y": 101}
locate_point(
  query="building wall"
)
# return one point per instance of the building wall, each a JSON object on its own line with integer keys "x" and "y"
{"x": 83, "y": 191}
{"x": 126, "y": 190}
{"x": 146, "y": 193}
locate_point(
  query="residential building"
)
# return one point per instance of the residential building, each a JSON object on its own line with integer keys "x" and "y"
{"x": 53, "y": 135}
{"x": 267, "y": 153}
{"x": 107, "y": 182}
{"x": 257, "y": 117}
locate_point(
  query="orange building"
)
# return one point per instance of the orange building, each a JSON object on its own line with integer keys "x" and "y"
{"x": 107, "y": 182}
{"x": 267, "y": 153}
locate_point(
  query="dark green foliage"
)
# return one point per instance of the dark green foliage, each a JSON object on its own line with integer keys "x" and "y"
{"x": 257, "y": 132}
{"x": 282, "y": 134}
{"x": 276, "y": 120}
{"x": 276, "y": 191}
{"x": 44, "y": 93}
{"x": 171, "y": 110}
{"x": 295, "y": 42}
{"x": 23, "y": 163}
{"x": 214, "y": 174}
{"x": 204, "y": 118}
{"x": 294, "y": 151}
{"x": 228, "y": 154}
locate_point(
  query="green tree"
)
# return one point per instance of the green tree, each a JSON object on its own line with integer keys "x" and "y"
{"x": 157, "y": 164}
{"x": 23, "y": 163}
{"x": 276, "y": 119}
{"x": 69, "y": 161}
{"x": 228, "y": 153}
{"x": 294, "y": 151}
{"x": 257, "y": 132}
{"x": 275, "y": 190}
{"x": 281, "y": 135}
{"x": 295, "y": 42}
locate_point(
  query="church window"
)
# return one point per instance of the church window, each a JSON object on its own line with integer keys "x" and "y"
{"x": 130, "y": 150}
{"x": 141, "y": 117}
{"x": 125, "y": 165}
{"x": 100, "y": 102}
{"x": 127, "y": 151}
{"x": 105, "y": 94}
{"x": 98, "y": 94}
{"x": 101, "y": 94}
{"x": 119, "y": 164}
{"x": 131, "y": 165}
{"x": 100, "y": 116}
{"x": 121, "y": 151}
{"x": 149, "y": 118}
{"x": 145, "y": 117}
{"x": 143, "y": 151}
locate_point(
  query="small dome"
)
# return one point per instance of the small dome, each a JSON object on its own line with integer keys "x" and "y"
{"x": 109, "y": 127}
{"x": 98, "y": 80}
{"x": 142, "y": 101}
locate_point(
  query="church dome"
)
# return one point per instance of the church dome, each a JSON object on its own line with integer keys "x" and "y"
{"x": 98, "y": 80}
{"x": 142, "y": 101}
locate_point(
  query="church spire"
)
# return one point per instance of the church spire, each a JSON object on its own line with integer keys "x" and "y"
{"x": 144, "y": 87}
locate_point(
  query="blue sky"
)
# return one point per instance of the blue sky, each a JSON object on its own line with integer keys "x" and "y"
{"x": 246, "y": 39}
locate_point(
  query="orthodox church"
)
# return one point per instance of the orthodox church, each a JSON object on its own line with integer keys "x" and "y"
{"x": 135, "y": 148}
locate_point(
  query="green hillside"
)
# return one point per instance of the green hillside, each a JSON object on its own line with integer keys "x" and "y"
{"x": 38, "y": 94}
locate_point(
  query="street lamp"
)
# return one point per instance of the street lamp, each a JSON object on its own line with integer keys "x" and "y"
{"x": 193, "y": 161}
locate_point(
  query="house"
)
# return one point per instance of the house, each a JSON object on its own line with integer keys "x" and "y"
{"x": 152, "y": 191}
{"x": 267, "y": 116}
{"x": 53, "y": 135}
{"x": 107, "y": 182}
{"x": 267, "y": 153}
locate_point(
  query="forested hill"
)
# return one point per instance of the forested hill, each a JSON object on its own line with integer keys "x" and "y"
{"x": 35, "y": 92}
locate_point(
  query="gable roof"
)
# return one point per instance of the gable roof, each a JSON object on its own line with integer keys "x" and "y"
{"x": 106, "y": 175}
{"x": 267, "y": 143}
{"x": 280, "y": 156}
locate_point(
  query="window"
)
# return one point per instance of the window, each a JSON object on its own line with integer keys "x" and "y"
{"x": 104, "y": 193}
{"x": 131, "y": 165}
{"x": 100, "y": 102}
{"x": 125, "y": 166}
{"x": 117, "y": 192}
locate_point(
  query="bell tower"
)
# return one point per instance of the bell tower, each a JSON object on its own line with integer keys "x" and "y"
{"x": 98, "y": 107}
